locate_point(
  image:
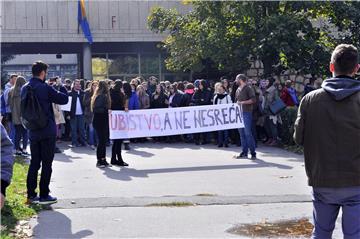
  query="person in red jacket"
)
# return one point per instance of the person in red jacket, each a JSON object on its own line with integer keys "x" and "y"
{"x": 288, "y": 95}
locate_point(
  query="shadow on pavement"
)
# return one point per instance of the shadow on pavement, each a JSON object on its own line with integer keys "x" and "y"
{"x": 141, "y": 153}
{"x": 53, "y": 224}
{"x": 126, "y": 174}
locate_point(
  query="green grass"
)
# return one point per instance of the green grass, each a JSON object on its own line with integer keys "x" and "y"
{"x": 172, "y": 204}
{"x": 15, "y": 208}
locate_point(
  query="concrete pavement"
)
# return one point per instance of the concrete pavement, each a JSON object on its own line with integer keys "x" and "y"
{"x": 113, "y": 202}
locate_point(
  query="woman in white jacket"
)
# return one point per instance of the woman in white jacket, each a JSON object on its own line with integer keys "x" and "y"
{"x": 222, "y": 97}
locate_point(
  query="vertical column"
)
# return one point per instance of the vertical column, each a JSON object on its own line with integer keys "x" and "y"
{"x": 107, "y": 66}
{"x": 160, "y": 71}
{"x": 139, "y": 63}
{"x": 87, "y": 62}
{"x": 80, "y": 68}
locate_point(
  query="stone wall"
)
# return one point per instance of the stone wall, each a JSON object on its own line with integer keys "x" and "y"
{"x": 256, "y": 71}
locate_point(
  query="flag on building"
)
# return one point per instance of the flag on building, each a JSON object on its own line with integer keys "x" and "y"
{"x": 83, "y": 21}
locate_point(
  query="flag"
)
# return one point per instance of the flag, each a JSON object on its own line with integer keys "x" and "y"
{"x": 83, "y": 21}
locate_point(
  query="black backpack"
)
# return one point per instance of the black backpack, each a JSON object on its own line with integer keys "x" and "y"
{"x": 32, "y": 115}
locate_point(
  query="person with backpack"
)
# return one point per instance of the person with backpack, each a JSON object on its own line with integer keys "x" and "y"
{"x": 271, "y": 120}
{"x": 222, "y": 97}
{"x": 37, "y": 116}
{"x": 328, "y": 126}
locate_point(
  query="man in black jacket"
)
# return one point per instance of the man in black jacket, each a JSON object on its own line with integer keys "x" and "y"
{"x": 42, "y": 141}
{"x": 77, "y": 115}
{"x": 328, "y": 125}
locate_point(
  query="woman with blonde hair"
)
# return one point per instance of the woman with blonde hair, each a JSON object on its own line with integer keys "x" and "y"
{"x": 144, "y": 98}
{"x": 100, "y": 105}
{"x": 14, "y": 103}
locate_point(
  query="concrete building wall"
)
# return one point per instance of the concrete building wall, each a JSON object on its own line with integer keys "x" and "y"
{"x": 56, "y": 20}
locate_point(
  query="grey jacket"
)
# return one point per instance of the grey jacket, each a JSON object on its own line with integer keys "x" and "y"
{"x": 7, "y": 159}
{"x": 15, "y": 103}
{"x": 271, "y": 95}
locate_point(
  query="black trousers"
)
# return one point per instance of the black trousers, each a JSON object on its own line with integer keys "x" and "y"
{"x": 21, "y": 133}
{"x": 101, "y": 125}
{"x": 116, "y": 149}
{"x": 42, "y": 155}
{"x": 206, "y": 137}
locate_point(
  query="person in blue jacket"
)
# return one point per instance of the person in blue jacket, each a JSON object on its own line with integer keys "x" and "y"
{"x": 42, "y": 141}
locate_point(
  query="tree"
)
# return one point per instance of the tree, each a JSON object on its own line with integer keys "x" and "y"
{"x": 345, "y": 16}
{"x": 230, "y": 34}
{"x": 4, "y": 75}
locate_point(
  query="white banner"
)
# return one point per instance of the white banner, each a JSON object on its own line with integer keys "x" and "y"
{"x": 66, "y": 107}
{"x": 173, "y": 121}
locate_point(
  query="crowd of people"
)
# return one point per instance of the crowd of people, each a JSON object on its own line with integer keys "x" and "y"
{"x": 83, "y": 123}
{"x": 327, "y": 125}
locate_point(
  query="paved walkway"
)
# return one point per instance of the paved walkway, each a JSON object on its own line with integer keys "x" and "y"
{"x": 114, "y": 202}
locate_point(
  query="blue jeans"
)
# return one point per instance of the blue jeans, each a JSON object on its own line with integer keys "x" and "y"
{"x": 246, "y": 136}
{"x": 77, "y": 125}
{"x": 92, "y": 135}
{"x": 21, "y": 133}
{"x": 327, "y": 203}
{"x": 223, "y": 137}
{"x": 254, "y": 132}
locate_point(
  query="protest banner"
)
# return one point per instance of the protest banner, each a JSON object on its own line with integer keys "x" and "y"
{"x": 174, "y": 121}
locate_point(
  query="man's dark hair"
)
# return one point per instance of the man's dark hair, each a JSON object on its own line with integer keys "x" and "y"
{"x": 53, "y": 79}
{"x": 117, "y": 86}
{"x": 271, "y": 80}
{"x": 241, "y": 77}
{"x": 38, "y": 67}
{"x": 312, "y": 80}
{"x": 344, "y": 58}
{"x": 82, "y": 84}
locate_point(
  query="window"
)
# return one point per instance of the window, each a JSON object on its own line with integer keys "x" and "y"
{"x": 150, "y": 65}
{"x": 99, "y": 66}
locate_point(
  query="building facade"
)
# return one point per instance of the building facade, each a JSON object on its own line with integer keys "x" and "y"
{"x": 123, "y": 46}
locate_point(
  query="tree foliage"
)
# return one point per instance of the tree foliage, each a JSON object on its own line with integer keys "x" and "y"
{"x": 229, "y": 34}
{"x": 4, "y": 75}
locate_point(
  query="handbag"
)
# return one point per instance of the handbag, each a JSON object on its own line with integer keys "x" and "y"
{"x": 277, "y": 106}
